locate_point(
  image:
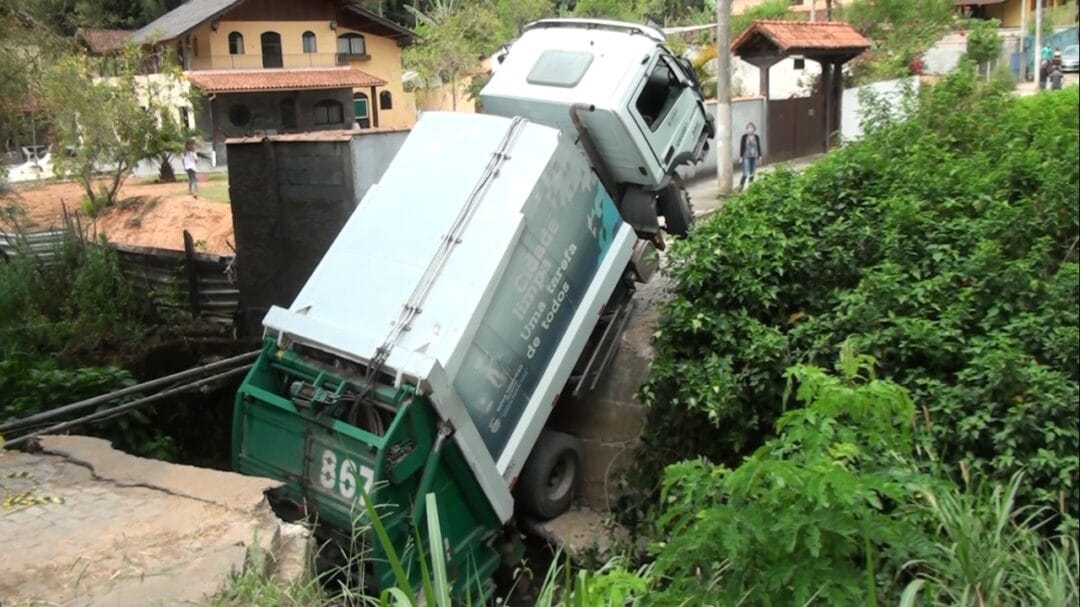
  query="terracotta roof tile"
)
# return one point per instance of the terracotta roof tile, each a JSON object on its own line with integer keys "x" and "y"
{"x": 103, "y": 41}
{"x": 229, "y": 81}
{"x": 800, "y": 35}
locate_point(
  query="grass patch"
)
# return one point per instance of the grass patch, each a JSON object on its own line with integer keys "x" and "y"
{"x": 215, "y": 191}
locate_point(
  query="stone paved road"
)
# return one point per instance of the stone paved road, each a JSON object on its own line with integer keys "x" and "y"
{"x": 129, "y": 531}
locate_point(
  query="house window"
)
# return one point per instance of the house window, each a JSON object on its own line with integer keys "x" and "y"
{"x": 329, "y": 112}
{"x": 360, "y": 106}
{"x": 386, "y": 101}
{"x": 309, "y": 42}
{"x": 195, "y": 46}
{"x": 236, "y": 43}
{"x": 351, "y": 44}
{"x": 239, "y": 115}
{"x": 288, "y": 113}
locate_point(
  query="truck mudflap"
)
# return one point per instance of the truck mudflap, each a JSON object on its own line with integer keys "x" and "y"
{"x": 330, "y": 440}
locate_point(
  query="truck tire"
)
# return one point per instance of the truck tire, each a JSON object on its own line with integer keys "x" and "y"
{"x": 677, "y": 210}
{"x": 546, "y": 485}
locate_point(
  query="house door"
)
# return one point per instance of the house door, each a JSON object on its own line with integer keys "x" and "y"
{"x": 271, "y": 49}
{"x": 796, "y": 128}
{"x": 362, "y": 110}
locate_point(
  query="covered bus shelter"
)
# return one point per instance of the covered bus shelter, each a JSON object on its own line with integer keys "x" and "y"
{"x": 801, "y": 126}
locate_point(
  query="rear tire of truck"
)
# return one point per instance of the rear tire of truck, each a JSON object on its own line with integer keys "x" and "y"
{"x": 550, "y": 476}
{"x": 674, "y": 204}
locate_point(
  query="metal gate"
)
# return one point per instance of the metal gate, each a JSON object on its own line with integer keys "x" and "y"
{"x": 796, "y": 128}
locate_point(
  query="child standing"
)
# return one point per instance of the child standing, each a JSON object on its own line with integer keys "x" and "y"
{"x": 190, "y": 160}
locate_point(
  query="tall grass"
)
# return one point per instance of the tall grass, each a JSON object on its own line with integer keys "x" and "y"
{"x": 991, "y": 552}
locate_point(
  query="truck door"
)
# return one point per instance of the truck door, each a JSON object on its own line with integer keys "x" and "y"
{"x": 663, "y": 106}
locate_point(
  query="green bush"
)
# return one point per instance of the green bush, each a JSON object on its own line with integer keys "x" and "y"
{"x": 837, "y": 510}
{"x": 63, "y": 326}
{"x": 945, "y": 246}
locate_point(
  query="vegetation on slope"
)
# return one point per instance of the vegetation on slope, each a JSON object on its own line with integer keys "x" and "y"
{"x": 944, "y": 246}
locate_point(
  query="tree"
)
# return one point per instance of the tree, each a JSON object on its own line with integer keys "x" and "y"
{"x": 453, "y": 39}
{"x": 166, "y": 141}
{"x": 104, "y": 126}
{"x": 984, "y": 43}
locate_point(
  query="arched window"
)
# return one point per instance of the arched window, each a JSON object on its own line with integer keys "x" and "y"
{"x": 236, "y": 43}
{"x": 328, "y": 112}
{"x": 271, "y": 49}
{"x": 351, "y": 44}
{"x": 308, "y": 39}
{"x": 386, "y": 101}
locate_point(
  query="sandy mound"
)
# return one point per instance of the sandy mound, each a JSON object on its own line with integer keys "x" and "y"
{"x": 149, "y": 215}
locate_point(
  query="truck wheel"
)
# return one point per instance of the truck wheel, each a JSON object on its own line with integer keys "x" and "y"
{"x": 676, "y": 208}
{"x": 547, "y": 482}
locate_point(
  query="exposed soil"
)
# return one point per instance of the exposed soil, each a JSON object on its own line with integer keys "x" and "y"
{"x": 149, "y": 215}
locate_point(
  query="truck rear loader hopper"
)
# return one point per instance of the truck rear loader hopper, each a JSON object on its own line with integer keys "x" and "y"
{"x": 488, "y": 270}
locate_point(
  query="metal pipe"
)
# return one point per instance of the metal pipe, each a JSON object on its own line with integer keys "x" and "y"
{"x": 428, "y": 476}
{"x": 119, "y": 409}
{"x": 104, "y": 398}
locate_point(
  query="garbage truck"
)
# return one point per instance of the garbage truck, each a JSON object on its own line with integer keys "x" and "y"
{"x": 488, "y": 273}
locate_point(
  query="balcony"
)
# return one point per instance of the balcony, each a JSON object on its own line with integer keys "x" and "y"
{"x": 254, "y": 61}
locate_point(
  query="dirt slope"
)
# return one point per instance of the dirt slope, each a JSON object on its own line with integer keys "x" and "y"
{"x": 150, "y": 215}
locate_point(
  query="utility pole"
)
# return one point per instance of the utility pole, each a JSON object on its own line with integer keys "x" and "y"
{"x": 723, "y": 96}
{"x": 1038, "y": 42}
{"x": 1023, "y": 38}
{"x": 813, "y": 10}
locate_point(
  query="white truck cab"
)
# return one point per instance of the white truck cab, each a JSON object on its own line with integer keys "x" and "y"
{"x": 636, "y": 109}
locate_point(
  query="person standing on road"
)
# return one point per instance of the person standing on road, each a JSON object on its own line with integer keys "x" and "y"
{"x": 1055, "y": 77}
{"x": 190, "y": 160}
{"x": 749, "y": 154}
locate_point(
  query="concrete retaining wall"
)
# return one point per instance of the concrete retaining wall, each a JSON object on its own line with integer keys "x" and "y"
{"x": 290, "y": 196}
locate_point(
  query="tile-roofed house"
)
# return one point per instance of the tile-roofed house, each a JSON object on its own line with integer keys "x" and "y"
{"x": 804, "y": 124}
{"x": 281, "y": 66}
{"x": 103, "y": 41}
{"x": 802, "y": 36}
{"x": 236, "y": 81}
{"x": 182, "y": 20}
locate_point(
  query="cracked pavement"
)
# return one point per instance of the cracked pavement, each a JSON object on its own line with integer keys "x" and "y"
{"x": 127, "y": 530}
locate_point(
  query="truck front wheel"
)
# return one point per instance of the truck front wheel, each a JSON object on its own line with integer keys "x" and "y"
{"x": 552, "y": 472}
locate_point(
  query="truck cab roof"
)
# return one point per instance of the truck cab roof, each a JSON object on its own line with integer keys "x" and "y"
{"x": 605, "y": 24}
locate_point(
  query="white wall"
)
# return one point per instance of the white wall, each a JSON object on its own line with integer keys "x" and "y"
{"x": 851, "y": 111}
{"x": 742, "y": 111}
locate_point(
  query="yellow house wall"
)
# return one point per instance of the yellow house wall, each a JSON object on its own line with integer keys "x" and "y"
{"x": 384, "y": 60}
{"x": 1008, "y": 12}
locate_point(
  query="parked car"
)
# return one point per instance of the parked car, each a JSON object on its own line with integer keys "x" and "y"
{"x": 1070, "y": 59}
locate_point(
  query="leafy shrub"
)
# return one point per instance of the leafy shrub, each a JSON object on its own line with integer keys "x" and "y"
{"x": 838, "y": 510}
{"x": 61, "y": 324}
{"x": 945, "y": 246}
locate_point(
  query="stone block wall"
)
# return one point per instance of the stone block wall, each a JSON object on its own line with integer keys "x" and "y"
{"x": 610, "y": 419}
{"x": 290, "y": 197}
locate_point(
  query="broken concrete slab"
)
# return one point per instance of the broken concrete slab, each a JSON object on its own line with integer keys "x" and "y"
{"x": 579, "y": 533}
{"x": 99, "y": 527}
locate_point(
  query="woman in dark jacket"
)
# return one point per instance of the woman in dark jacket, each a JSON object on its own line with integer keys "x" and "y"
{"x": 749, "y": 154}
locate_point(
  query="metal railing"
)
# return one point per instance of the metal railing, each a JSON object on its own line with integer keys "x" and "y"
{"x": 256, "y": 61}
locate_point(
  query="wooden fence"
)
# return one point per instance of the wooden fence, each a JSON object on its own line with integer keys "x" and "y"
{"x": 201, "y": 283}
